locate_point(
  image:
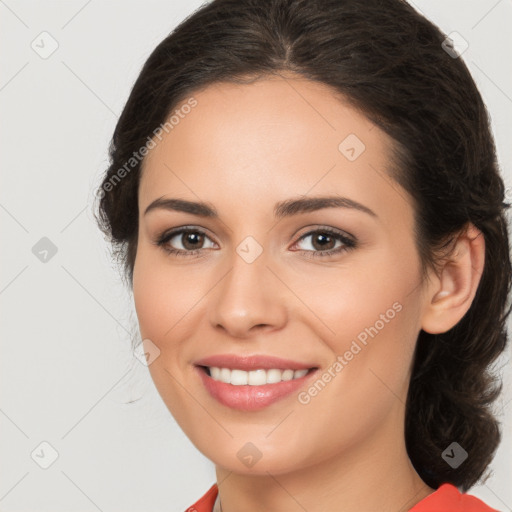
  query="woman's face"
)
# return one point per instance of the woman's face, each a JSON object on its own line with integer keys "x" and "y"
{"x": 334, "y": 287}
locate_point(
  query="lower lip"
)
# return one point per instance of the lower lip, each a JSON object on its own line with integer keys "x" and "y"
{"x": 251, "y": 398}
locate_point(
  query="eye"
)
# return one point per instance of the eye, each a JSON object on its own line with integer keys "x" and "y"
{"x": 187, "y": 241}
{"x": 184, "y": 241}
{"x": 326, "y": 242}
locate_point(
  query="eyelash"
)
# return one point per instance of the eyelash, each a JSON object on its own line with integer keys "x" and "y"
{"x": 348, "y": 242}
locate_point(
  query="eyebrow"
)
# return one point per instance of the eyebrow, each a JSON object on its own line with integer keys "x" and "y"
{"x": 282, "y": 209}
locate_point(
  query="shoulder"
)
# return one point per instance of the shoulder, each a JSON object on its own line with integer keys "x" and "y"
{"x": 205, "y": 503}
{"x": 447, "y": 498}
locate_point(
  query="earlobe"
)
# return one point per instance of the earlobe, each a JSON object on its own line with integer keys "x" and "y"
{"x": 451, "y": 294}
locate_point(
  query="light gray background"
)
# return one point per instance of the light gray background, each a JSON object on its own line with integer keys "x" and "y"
{"x": 67, "y": 372}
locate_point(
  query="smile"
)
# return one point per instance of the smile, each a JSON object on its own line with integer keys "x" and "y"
{"x": 252, "y": 382}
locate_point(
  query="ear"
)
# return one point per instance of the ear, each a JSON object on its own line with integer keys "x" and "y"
{"x": 451, "y": 292}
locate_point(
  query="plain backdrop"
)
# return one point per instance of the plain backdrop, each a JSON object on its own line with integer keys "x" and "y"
{"x": 73, "y": 397}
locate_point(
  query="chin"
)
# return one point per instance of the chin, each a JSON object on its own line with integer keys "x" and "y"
{"x": 247, "y": 459}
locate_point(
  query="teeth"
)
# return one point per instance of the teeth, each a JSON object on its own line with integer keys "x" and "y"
{"x": 254, "y": 377}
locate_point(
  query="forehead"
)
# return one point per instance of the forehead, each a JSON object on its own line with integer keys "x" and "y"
{"x": 266, "y": 112}
{"x": 269, "y": 138}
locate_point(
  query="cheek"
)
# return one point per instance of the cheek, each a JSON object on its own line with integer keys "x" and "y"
{"x": 366, "y": 381}
{"x": 152, "y": 304}
{"x": 368, "y": 319}
{"x": 163, "y": 295}
{"x": 368, "y": 298}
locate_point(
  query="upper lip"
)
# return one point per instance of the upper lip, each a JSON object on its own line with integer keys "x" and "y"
{"x": 253, "y": 362}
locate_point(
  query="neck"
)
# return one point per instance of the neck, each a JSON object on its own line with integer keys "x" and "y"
{"x": 374, "y": 475}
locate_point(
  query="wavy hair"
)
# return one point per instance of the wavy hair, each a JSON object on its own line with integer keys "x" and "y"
{"x": 391, "y": 64}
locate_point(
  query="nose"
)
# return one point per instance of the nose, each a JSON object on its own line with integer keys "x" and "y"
{"x": 249, "y": 299}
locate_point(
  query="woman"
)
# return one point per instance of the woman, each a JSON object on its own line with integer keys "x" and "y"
{"x": 306, "y": 200}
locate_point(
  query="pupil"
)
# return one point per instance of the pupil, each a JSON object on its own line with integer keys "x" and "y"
{"x": 323, "y": 239}
{"x": 191, "y": 237}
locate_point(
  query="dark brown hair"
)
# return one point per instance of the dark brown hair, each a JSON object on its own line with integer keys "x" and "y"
{"x": 388, "y": 62}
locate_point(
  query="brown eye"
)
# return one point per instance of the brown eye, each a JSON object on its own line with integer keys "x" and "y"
{"x": 325, "y": 242}
{"x": 192, "y": 240}
{"x": 184, "y": 241}
{"x": 322, "y": 241}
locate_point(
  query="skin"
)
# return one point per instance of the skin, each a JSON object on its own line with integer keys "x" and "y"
{"x": 242, "y": 149}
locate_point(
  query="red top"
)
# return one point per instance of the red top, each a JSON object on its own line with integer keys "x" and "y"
{"x": 446, "y": 498}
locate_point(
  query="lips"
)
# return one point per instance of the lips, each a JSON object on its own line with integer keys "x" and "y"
{"x": 251, "y": 383}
